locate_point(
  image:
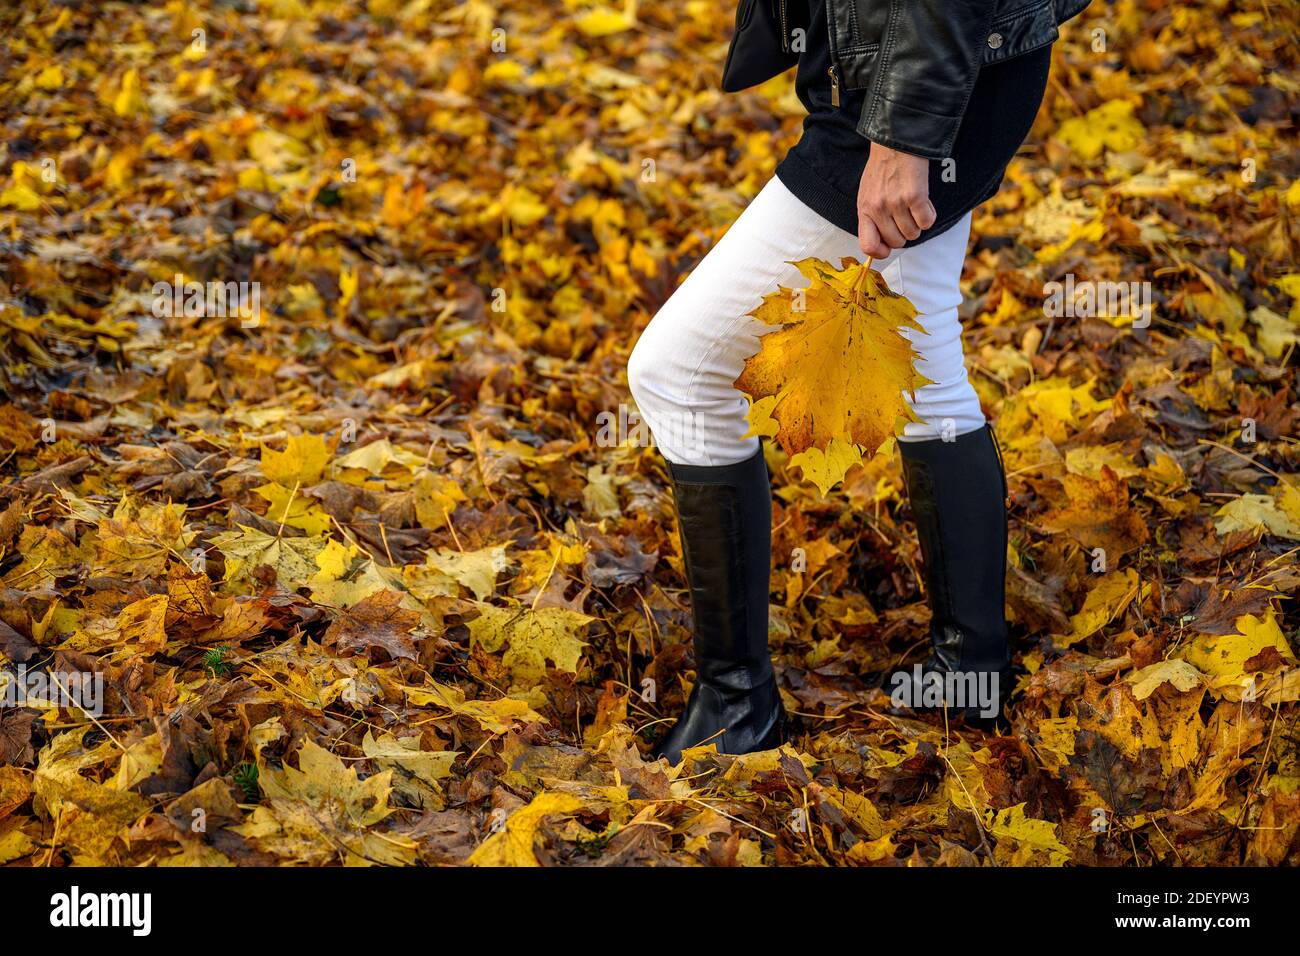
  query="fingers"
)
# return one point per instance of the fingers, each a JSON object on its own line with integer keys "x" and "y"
{"x": 923, "y": 212}
{"x": 906, "y": 224}
{"x": 893, "y": 236}
{"x": 869, "y": 238}
{"x": 890, "y": 223}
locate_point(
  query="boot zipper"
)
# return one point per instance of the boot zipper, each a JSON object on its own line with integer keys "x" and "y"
{"x": 835, "y": 86}
{"x": 785, "y": 33}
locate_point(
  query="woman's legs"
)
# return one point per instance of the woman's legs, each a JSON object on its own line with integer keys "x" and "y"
{"x": 683, "y": 367}
{"x": 681, "y": 374}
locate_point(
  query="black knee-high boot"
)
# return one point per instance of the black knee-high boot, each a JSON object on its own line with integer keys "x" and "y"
{"x": 958, "y": 494}
{"x": 725, "y": 514}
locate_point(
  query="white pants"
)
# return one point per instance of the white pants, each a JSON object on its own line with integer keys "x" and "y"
{"x": 682, "y": 370}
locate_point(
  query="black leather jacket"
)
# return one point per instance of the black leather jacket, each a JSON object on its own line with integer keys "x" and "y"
{"x": 917, "y": 58}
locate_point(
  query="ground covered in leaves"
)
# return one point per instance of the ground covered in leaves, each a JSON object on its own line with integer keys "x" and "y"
{"x": 373, "y": 580}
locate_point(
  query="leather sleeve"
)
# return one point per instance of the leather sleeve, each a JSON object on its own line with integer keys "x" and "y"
{"x": 929, "y": 58}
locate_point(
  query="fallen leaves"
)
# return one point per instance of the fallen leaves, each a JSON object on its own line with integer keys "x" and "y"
{"x": 531, "y": 637}
{"x": 372, "y": 582}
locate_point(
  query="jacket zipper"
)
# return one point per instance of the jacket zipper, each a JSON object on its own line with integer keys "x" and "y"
{"x": 835, "y": 86}
{"x": 785, "y": 33}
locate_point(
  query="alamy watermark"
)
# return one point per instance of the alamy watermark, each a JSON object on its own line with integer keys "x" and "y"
{"x": 1087, "y": 300}
{"x": 956, "y": 690}
{"x": 680, "y": 430}
{"x": 81, "y": 689}
{"x": 196, "y": 300}
{"x": 74, "y": 908}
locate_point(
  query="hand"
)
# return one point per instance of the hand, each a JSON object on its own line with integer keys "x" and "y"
{"x": 893, "y": 200}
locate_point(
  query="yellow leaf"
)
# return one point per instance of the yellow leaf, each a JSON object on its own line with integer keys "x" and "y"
{"x": 531, "y": 638}
{"x": 294, "y": 509}
{"x": 91, "y": 815}
{"x": 139, "y": 538}
{"x": 301, "y": 463}
{"x": 873, "y": 851}
{"x": 137, "y": 630}
{"x": 1088, "y": 460}
{"x": 334, "y": 560}
{"x": 495, "y": 716}
{"x": 21, "y": 197}
{"x": 404, "y": 752}
{"x": 14, "y": 789}
{"x": 512, "y": 845}
{"x": 476, "y": 570}
{"x": 15, "y": 845}
{"x": 602, "y": 23}
{"x": 522, "y": 207}
{"x": 129, "y": 100}
{"x": 322, "y": 777}
{"x": 435, "y": 498}
{"x": 826, "y": 469}
{"x": 141, "y": 760}
{"x": 600, "y": 497}
{"x": 1106, "y": 601}
{"x": 1109, "y": 126}
{"x": 1166, "y": 472}
{"x": 1288, "y": 499}
{"x": 1255, "y": 513}
{"x": 1234, "y": 661}
{"x": 349, "y": 279}
{"x": 505, "y": 71}
{"x": 1179, "y": 673}
{"x": 1276, "y": 333}
{"x": 50, "y": 78}
{"x": 838, "y": 364}
{"x": 1034, "y": 840}
{"x": 294, "y": 559}
{"x": 321, "y": 810}
{"x": 378, "y": 455}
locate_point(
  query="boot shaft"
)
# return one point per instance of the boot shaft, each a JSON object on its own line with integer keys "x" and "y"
{"x": 725, "y": 518}
{"x": 957, "y": 491}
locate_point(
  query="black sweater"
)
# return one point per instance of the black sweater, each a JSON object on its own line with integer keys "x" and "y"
{"x": 824, "y": 167}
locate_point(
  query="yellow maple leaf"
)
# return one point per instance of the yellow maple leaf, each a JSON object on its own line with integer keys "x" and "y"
{"x": 494, "y": 716}
{"x": 374, "y": 457}
{"x": 294, "y": 559}
{"x": 322, "y": 809}
{"x": 435, "y": 498}
{"x": 349, "y": 280}
{"x": 1175, "y": 671}
{"x": 1022, "y": 839}
{"x": 91, "y": 815}
{"x": 137, "y": 630}
{"x": 599, "y": 22}
{"x": 129, "y": 99}
{"x": 475, "y": 570}
{"x": 140, "y": 537}
{"x": 512, "y": 845}
{"x": 1112, "y": 595}
{"x": 826, "y": 469}
{"x": 837, "y": 364}
{"x": 293, "y": 509}
{"x": 390, "y": 752}
{"x": 302, "y": 462}
{"x": 322, "y": 777}
{"x": 1252, "y": 512}
{"x": 1233, "y": 661}
{"x": 1276, "y": 333}
{"x": 531, "y": 636}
